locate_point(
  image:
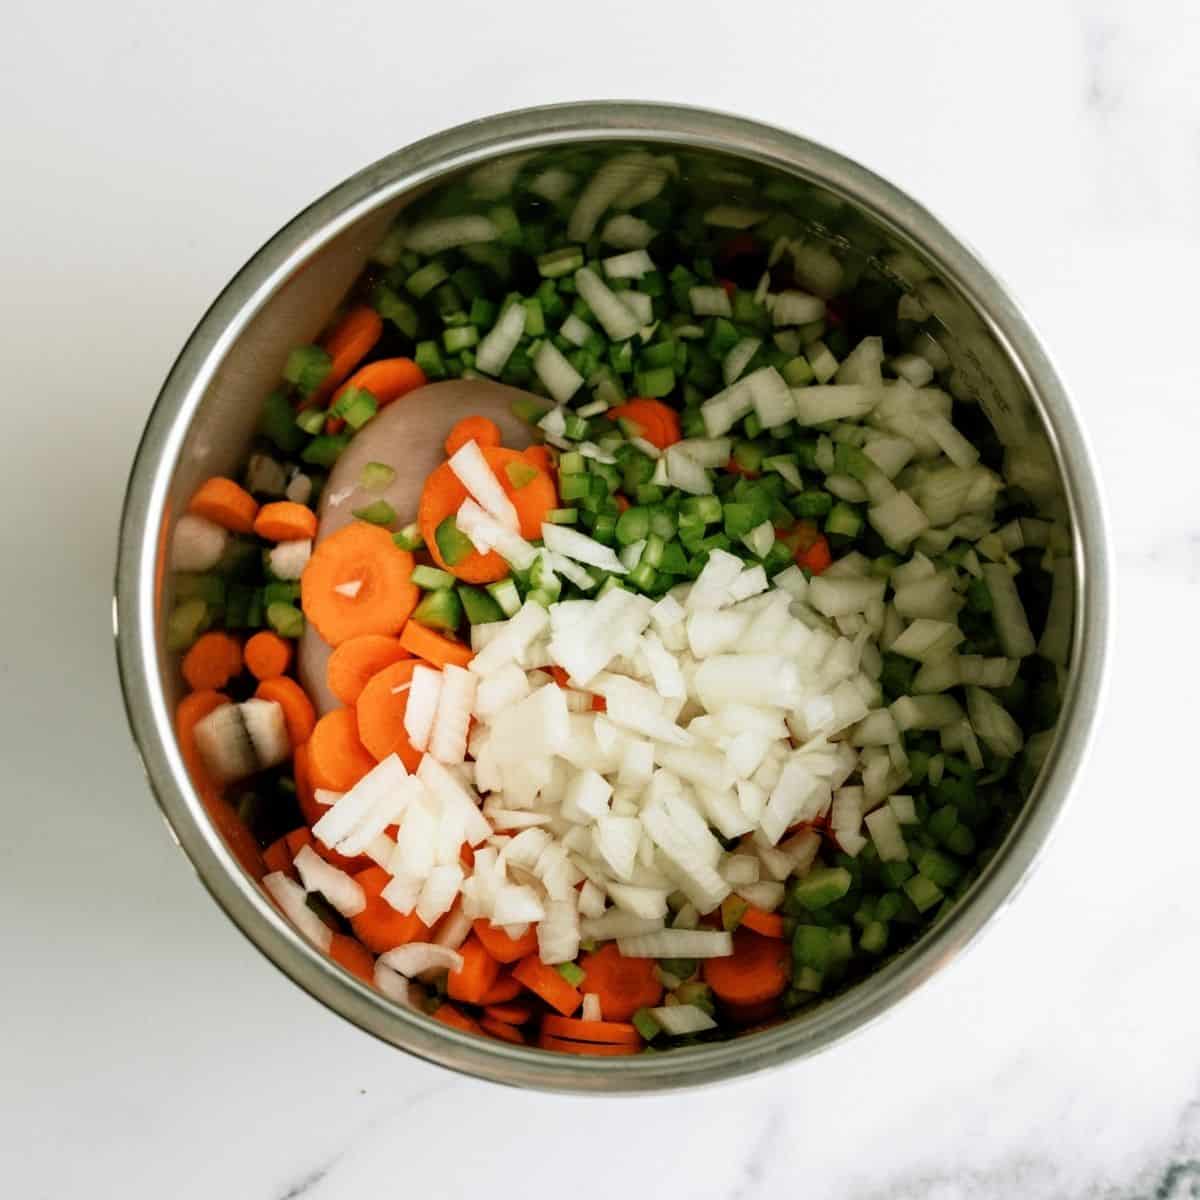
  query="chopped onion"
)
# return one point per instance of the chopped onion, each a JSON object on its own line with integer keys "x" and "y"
{"x": 578, "y": 546}
{"x": 415, "y": 958}
{"x": 444, "y": 233}
{"x": 618, "y": 321}
{"x": 423, "y": 696}
{"x": 288, "y": 559}
{"x": 335, "y": 885}
{"x": 501, "y": 340}
{"x": 677, "y": 943}
{"x": 474, "y": 473}
{"x": 197, "y": 544}
{"x": 290, "y": 897}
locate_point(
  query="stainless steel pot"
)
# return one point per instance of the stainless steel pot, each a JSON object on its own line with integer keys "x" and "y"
{"x": 205, "y": 415}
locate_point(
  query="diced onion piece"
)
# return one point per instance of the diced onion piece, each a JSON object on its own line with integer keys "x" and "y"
{"x": 628, "y": 232}
{"x": 444, "y": 233}
{"x": 926, "y": 639}
{"x": 834, "y": 402}
{"x": 710, "y": 302}
{"x": 685, "y": 473}
{"x": 884, "y": 829}
{"x": 560, "y": 379}
{"x": 993, "y": 723}
{"x": 633, "y": 264}
{"x": 438, "y": 893}
{"x": 578, "y": 546}
{"x": 423, "y": 697}
{"x": 925, "y": 712}
{"x": 679, "y": 1019}
{"x": 501, "y": 340}
{"x": 415, "y": 958}
{"x": 197, "y": 544}
{"x": 472, "y": 470}
{"x": 678, "y": 943}
{"x": 335, "y": 885}
{"x": 288, "y": 559}
{"x": 1008, "y": 613}
{"x": 618, "y": 321}
{"x": 797, "y": 308}
{"x": 448, "y": 742}
{"x": 486, "y": 534}
{"x": 611, "y": 180}
{"x": 290, "y": 897}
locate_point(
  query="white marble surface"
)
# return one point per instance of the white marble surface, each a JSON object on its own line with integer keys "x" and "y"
{"x": 145, "y": 1049}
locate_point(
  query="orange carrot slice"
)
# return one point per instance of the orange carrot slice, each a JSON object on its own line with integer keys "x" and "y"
{"x": 547, "y": 983}
{"x": 347, "y": 344}
{"x": 387, "y": 379}
{"x": 352, "y": 665}
{"x": 481, "y": 430}
{"x": 476, "y": 976}
{"x": 611, "y": 1032}
{"x": 623, "y": 984}
{"x": 505, "y": 988}
{"x": 510, "y": 1014}
{"x": 285, "y": 521}
{"x": 267, "y": 655}
{"x": 500, "y": 946}
{"x": 212, "y": 661}
{"x": 498, "y": 1029}
{"x": 354, "y": 956}
{"x": 768, "y": 924}
{"x": 358, "y": 581}
{"x": 337, "y": 759}
{"x": 379, "y": 926}
{"x": 658, "y": 422}
{"x": 379, "y": 712}
{"x": 433, "y": 647}
{"x": 225, "y": 503}
{"x": 601, "y": 1049}
{"x": 449, "y": 1015}
{"x": 757, "y": 970}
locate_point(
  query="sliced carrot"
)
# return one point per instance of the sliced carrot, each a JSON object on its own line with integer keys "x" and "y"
{"x": 358, "y": 581}
{"x": 298, "y": 839}
{"x": 769, "y": 924}
{"x": 542, "y": 457}
{"x": 433, "y": 647}
{"x": 277, "y": 857}
{"x": 481, "y": 430}
{"x": 658, "y": 422}
{"x": 547, "y": 983}
{"x": 500, "y": 946}
{"x": 601, "y": 1049}
{"x": 505, "y": 988}
{"x": 387, "y": 379}
{"x": 234, "y": 833}
{"x": 498, "y": 1029}
{"x": 225, "y": 503}
{"x": 560, "y": 676}
{"x": 354, "y": 956}
{"x": 379, "y": 926}
{"x": 623, "y": 984}
{"x": 212, "y": 661}
{"x": 611, "y": 1032}
{"x": 347, "y": 344}
{"x": 298, "y": 712}
{"x": 817, "y": 558}
{"x": 757, "y": 970}
{"x": 510, "y": 1014}
{"x": 466, "y": 855}
{"x": 475, "y": 978}
{"x": 444, "y": 493}
{"x": 285, "y": 521}
{"x": 189, "y": 712}
{"x": 356, "y": 660}
{"x": 379, "y": 713}
{"x": 267, "y": 655}
{"x": 449, "y": 1015}
{"x": 337, "y": 760}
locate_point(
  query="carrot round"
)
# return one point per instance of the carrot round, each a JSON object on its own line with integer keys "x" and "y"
{"x": 379, "y": 926}
{"x": 267, "y": 655}
{"x": 610, "y": 1032}
{"x": 354, "y": 956}
{"x": 285, "y": 521}
{"x": 601, "y": 1049}
{"x": 347, "y": 344}
{"x": 623, "y": 984}
{"x": 298, "y": 712}
{"x": 433, "y": 647}
{"x": 500, "y": 946}
{"x": 444, "y": 493}
{"x": 225, "y": 503}
{"x": 659, "y": 422}
{"x": 505, "y": 988}
{"x": 213, "y": 660}
{"x": 190, "y": 711}
{"x": 541, "y": 457}
{"x": 817, "y": 557}
{"x": 757, "y": 970}
{"x": 356, "y": 660}
{"x": 387, "y": 379}
{"x": 298, "y": 839}
{"x": 510, "y": 1014}
{"x": 379, "y": 713}
{"x": 547, "y": 983}
{"x": 498, "y": 1029}
{"x": 449, "y": 1015}
{"x": 768, "y": 924}
{"x": 277, "y": 857}
{"x": 337, "y": 760}
{"x": 358, "y": 581}
{"x": 481, "y": 430}
{"x": 474, "y": 979}
{"x": 237, "y": 838}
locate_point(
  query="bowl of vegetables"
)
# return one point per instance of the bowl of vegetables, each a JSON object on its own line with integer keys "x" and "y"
{"x": 612, "y": 597}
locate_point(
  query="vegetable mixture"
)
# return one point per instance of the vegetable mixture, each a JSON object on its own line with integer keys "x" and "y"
{"x": 681, "y": 714}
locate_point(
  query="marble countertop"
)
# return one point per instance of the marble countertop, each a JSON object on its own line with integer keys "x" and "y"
{"x": 146, "y": 1049}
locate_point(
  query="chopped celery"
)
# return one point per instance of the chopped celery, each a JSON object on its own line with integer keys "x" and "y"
{"x": 278, "y": 422}
{"x": 307, "y": 367}
{"x": 286, "y": 619}
{"x": 409, "y": 538}
{"x": 378, "y": 512}
{"x": 186, "y": 623}
{"x": 480, "y": 608}
{"x": 504, "y": 593}
{"x": 324, "y": 450}
{"x": 520, "y": 474}
{"x": 453, "y": 545}
{"x": 376, "y": 476}
{"x": 439, "y": 610}
{"x": 431, "y": 578}
{"x": 571, "y": 972}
